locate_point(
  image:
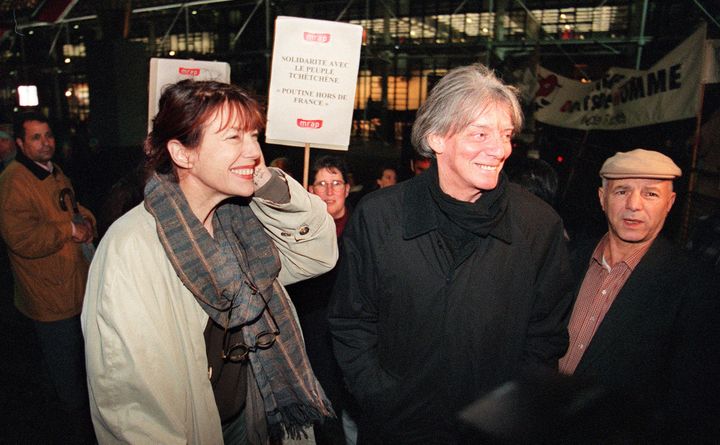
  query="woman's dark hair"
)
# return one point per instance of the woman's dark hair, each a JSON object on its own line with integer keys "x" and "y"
{"x": 332, "y": 163}
{"x": 380, "y": 171}
{"x": 185, "y": 107}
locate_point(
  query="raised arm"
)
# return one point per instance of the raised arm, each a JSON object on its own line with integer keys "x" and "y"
{"x": 300, "y": 226}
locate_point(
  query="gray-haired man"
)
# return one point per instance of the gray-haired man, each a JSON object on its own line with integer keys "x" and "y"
{"x": 451, "y": 282}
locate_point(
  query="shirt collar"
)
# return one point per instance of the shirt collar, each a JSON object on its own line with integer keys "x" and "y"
{"x": 631, "y": 261}
{"x": 31, "y": 165}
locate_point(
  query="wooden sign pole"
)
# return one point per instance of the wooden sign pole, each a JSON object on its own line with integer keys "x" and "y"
{"x": 687, "y": 217}
{"x": 306, "y": 165}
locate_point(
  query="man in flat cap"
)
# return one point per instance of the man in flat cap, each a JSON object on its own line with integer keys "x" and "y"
{"x": 644, "y": 321}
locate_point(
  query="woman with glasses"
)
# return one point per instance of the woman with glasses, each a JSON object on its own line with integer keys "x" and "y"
{"x": 190, "y": 336}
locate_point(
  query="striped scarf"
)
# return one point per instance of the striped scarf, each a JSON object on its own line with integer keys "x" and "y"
{"x": 234, "y": 279}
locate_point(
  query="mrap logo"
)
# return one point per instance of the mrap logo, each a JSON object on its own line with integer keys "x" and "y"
{"x": 189, "y": 71}
{"x": 319, "y": 37}
{"x": 314, "y": 124}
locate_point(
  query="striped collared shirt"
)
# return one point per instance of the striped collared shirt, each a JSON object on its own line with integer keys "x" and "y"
{"x": 598, "y": 291}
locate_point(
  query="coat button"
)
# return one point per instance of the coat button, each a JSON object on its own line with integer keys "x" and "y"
{"x": 284, "y": 234}
{"x": 304, "y": 230}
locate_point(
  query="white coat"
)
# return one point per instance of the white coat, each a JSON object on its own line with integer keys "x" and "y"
{"x": 144, "y": 344}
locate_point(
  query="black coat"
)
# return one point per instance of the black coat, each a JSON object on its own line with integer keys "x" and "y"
{"x": 311, "y": 298}
{"x": 417, "y": 338}
{"x": 657, "y": 347}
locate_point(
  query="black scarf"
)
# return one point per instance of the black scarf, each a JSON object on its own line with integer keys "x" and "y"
{"x": 478, "y": 217}
{"x": 234, "y": 279}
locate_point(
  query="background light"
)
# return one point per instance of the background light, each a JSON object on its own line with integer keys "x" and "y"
{"x": 27, "y": 96}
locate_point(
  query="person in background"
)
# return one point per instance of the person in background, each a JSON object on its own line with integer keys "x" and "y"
{"x": 453, "y": 282}
{"x": 536, "y": 176}
{"x": 386, "y": 176}
{"x": 7, "y": 154}
{"x": 311, "y": 297}
{"x": 330, "y": 183}
{"x": 357, "y": 189}
{"x": 539, "y": 178}
{"x": 704, "y": 243}
{"x": 190, "y": 336}
{"x": 125, "y": 194}
{"x": 419, "y": 164}
{"x": 44, "y": 244}
{"x": 283, "y": 164}
{"x": 7, "y": 150}
{"x": 644, "y": 323}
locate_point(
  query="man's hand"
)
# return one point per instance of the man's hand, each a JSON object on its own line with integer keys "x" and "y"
{"x": 82, "y": 232}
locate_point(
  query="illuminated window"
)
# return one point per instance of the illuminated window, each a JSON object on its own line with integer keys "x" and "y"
{"x": 74, "y": 50}
{"x": 79, "y": 101}
{"x": 196, "y": 42}
{"x": 463, "y": 27}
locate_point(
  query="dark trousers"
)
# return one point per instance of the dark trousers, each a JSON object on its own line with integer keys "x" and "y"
{"x": 234, "y": 432}
{"x": 63, "y": 352}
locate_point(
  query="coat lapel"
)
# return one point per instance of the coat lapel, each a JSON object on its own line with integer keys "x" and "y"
{"x": 639, "y": 293}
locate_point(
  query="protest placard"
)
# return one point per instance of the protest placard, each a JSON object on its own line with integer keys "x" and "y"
{"x": 312, "y": 83}
{"x": 167, "y": 71}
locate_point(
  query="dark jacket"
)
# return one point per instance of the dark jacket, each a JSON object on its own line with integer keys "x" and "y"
{"x": 417, "y": 338}
{"x": 311, "y": 298}
{"x": 658, "y": 346}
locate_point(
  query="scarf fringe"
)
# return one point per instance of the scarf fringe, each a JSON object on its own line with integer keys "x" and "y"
{"x": 295, "y": 418}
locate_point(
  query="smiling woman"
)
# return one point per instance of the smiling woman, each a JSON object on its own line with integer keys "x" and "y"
{"x": 189, "y": 332}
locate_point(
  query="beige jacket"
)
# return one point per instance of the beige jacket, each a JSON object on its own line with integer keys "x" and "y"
{"x": 144, "y": 345}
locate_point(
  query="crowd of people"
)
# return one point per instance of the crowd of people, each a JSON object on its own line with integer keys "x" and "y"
{"x": 229, "y": 304}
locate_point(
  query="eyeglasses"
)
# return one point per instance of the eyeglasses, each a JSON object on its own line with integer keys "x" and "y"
{"x": 335, "y": 184}
{"x": 239, "y": 351}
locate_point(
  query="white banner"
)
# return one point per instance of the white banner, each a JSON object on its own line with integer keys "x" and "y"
{"x": 626, "y": 98}
{"x": 711, "y": 73}
{"x": 167, "y": 71}
{"x": 312, "y": 83}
